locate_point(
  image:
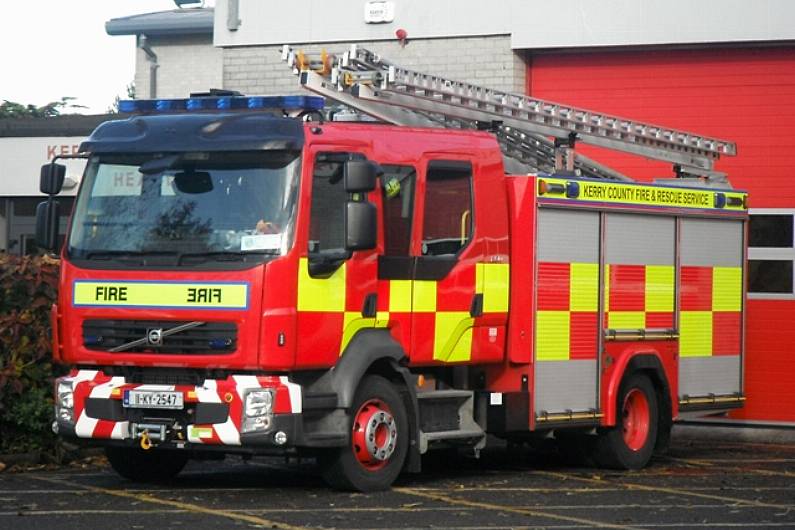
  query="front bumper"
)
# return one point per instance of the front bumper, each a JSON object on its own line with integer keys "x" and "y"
{"x": 211, "y": 416}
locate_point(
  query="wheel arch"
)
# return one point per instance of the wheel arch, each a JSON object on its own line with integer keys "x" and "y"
{"x": 373, "y": 351}
{"x": 649, "y": 363}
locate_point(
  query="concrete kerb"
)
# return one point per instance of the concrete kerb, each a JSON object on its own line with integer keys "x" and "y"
{"x": 695, "y": 430}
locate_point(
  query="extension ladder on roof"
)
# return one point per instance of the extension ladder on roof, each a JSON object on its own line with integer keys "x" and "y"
{"x": 523, "y": 125}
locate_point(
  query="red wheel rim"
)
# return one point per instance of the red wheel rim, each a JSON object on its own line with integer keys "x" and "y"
{"x": 374, "y": 435}
{"x": 636, "y": 418}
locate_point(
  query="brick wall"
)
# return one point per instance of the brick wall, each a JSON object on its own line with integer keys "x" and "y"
{"x": 487, "y": 61}
{"x": 187, "y": 64}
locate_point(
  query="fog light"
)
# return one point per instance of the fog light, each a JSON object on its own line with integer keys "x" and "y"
{"x": 260, "y": 423}
{"x": 280, "y": 438}
{"x": 64, "y": 414}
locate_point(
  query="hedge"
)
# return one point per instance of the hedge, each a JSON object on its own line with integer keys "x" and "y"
{"x": 28, "y": 287}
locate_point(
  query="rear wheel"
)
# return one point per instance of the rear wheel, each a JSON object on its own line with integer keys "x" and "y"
{"x": 154, "y": 465}
{"x": 375, "y": 453}
{"x": 630, "y": 444}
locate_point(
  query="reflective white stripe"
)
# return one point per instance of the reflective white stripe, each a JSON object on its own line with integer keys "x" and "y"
{"x": 84, "y": 428}
{"x": 227, "y": 432}
{"x": 121, "y": 430}
{"x": 82, "y": 375}
{"x": 105, "y": 389}
{"x": 208, "y": 392}
{"x": 244, "y": 382}
{"x": 295, "y": 394}
{"x": 160, "y": 388}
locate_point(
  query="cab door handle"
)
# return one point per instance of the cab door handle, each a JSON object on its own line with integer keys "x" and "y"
{"x": 370, "y": 306}
{"x": 476, "y": 308}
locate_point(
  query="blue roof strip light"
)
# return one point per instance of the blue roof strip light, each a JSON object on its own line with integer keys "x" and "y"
{"x": 166, "y": 106}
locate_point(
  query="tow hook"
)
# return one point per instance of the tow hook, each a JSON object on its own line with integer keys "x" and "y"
{"x": 146, "y": 443}
{"x": 149, "y": 434}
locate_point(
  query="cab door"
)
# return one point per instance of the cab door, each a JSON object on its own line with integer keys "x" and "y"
{"x": 448, "y": 299}
{"x": 337, "y": 289}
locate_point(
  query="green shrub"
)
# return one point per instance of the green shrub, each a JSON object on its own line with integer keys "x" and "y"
{"x": 28, "y": 287}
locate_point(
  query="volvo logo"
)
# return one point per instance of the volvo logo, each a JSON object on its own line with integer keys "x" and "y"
{"x": 154, "y": 337}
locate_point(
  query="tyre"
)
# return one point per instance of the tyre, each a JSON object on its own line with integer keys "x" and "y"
{"x": 154, "y": 465}
{"x": 376, "y": 450}
{"x": 630, "y": 444}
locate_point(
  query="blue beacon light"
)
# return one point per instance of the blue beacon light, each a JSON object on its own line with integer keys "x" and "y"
{"x": 222, "y": 103}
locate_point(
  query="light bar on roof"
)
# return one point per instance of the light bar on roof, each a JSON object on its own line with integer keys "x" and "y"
{"x": 165, "y": 106}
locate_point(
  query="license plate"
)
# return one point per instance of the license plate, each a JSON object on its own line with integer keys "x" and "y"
{"x": 152, "y": 399}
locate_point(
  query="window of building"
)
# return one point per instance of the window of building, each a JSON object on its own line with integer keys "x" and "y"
{"x": 397, "y": 184}
{"x": 771, "y": 253}
{"x": 448, "y": 208}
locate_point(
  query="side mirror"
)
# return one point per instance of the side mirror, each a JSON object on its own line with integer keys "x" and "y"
{"x": 360, "y": 226}
{"x": 52, "y": 177}
{"x": 360, "y": 175}
{"x": 47, "y": 225}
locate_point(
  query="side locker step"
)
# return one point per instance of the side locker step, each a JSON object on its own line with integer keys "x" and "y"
{"x": 448, "y": 416}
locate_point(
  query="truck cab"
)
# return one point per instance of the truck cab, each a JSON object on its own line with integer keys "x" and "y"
{"x": 230, "y": 280}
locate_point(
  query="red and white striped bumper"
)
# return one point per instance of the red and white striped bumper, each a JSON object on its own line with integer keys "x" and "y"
{"x": 226, "y": 395}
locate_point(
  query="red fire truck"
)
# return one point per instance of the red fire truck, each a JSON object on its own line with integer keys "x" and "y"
{"x": 239, "y": 282}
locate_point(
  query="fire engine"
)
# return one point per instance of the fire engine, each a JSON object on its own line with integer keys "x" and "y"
{"x": 253, "y": 275}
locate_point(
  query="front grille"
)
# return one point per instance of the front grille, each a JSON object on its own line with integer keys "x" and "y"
{"x": 207, "y": 338}
{"x": 163, "y": 376}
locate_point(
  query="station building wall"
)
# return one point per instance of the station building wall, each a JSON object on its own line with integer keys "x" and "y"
{"x": 486, "y": 60}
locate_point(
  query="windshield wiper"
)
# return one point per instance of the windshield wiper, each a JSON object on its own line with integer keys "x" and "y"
{"x": 116, "y": 254}
{"x": 226, "y": 255}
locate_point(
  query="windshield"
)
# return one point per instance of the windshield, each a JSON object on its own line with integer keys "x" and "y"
{"x": 229, "y": 206}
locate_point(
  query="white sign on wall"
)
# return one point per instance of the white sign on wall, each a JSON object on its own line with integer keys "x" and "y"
{"x": 21, "y": 160}
{"x": 379, "y": 12}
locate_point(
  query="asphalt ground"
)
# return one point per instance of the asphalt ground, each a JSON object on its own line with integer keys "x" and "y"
{"x": 704, "y": 482}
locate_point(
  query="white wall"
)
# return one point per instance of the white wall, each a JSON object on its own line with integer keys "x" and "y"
{"x": 531, "y": 23}
{"x": 22, "y": 158}
{"x": 486, "y": 61}
{"x": 187, "y": 64}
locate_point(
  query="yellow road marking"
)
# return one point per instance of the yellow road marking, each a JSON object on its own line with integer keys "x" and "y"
{"x": 194, "y": 508}
{"x": 673, "y": 491}
{"x": 747, "y": 445}
{"x": 709, "y": 463}
{"x": 510, "y": 509}
{"x": 736, "y": 460}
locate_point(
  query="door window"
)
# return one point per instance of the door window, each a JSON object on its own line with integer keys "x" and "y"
{"x": 448, "y": 208}
{"x": 397, "y": 185}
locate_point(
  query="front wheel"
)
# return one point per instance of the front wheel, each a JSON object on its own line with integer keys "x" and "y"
{"x": 376, "y": 450}
{"x": 154, "y": 465}
{"x": 630, "y": 444}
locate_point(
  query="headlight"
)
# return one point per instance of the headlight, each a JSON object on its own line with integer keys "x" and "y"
{"x": 64, "y": 401}
{"x": 258, "y": 403}
{"x": 66, "y": 397}
{"x": 257, "y": 410}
